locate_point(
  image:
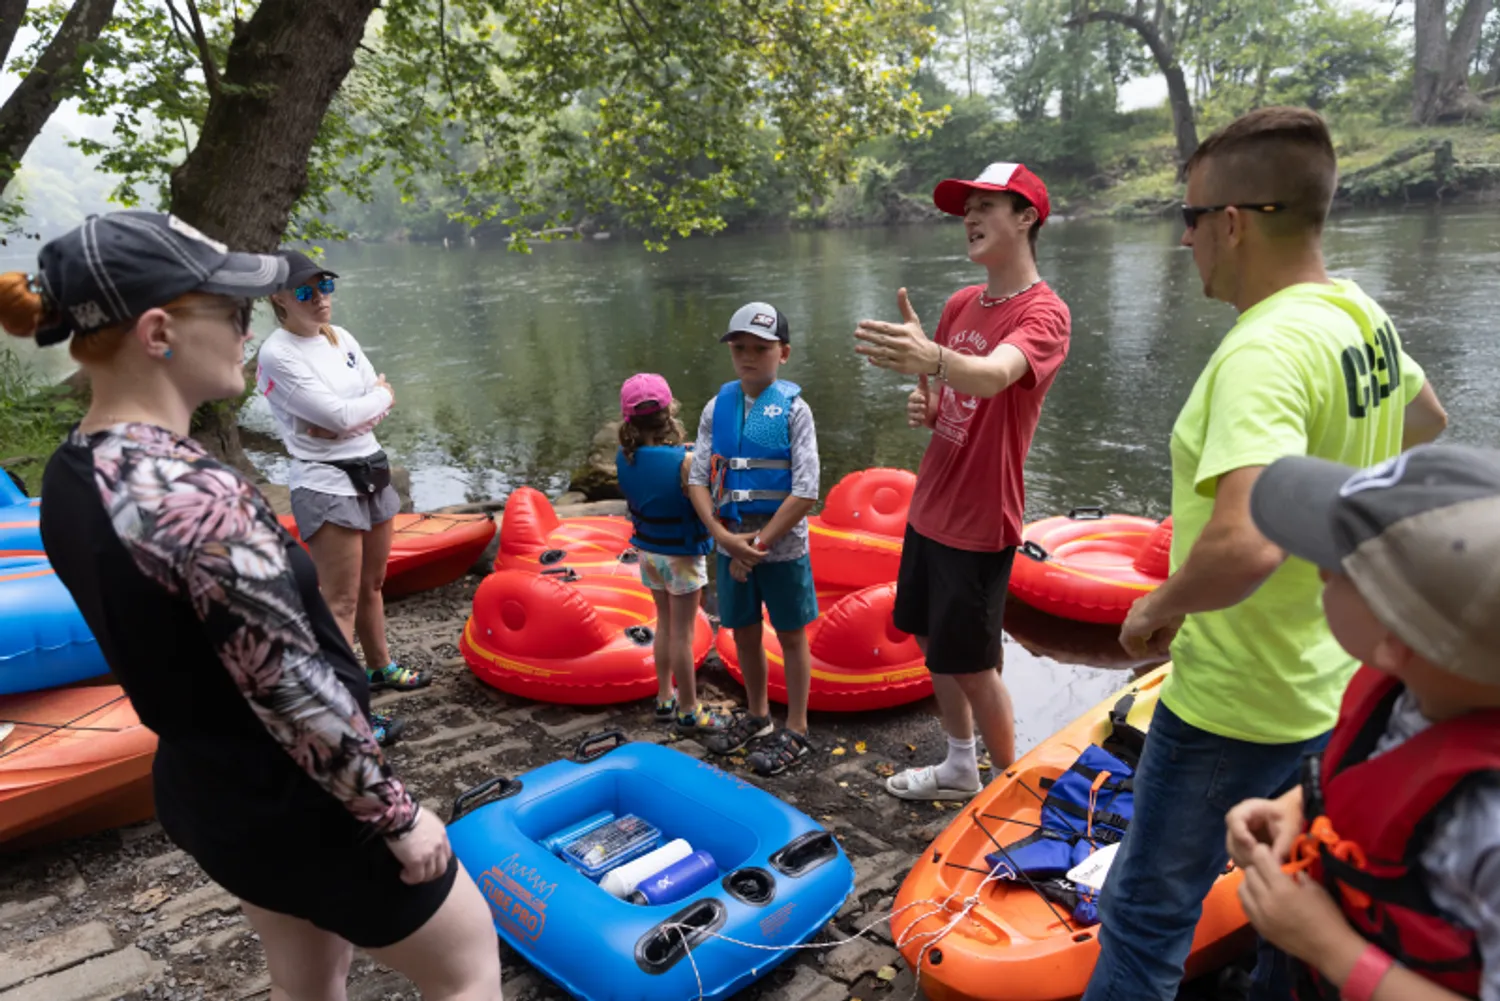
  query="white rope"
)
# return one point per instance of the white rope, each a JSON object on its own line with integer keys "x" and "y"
{"x": 970, "y": 902}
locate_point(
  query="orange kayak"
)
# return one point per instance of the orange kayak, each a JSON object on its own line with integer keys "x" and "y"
{"x": 1012, "y": 946}
{"x": 428, "y": 549}
{"x": 74, "y": 760}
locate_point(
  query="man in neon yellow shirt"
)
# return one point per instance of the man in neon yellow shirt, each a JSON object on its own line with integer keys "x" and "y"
{"x": 1313, "y": 367}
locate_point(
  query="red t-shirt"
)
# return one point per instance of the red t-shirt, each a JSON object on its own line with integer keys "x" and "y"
{"x": 979, "y": 446}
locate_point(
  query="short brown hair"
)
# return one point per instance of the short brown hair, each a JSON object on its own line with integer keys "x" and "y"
{"x": 1020, "y": 203}
{"x": 1277, "y": 154}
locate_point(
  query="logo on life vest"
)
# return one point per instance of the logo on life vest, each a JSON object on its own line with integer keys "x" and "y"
{"x": 522, "y": 910}
{"x": 772, "y": 410}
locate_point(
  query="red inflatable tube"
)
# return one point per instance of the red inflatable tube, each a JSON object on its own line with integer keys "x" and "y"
{"x": 860, "y": 660}
{"x": 1090, "y": 566}
{"x": 428, "y": 550}
{"x": 567, "y": 637}
{"x": 855, "y": 542}
{"x": 532, "y": 537}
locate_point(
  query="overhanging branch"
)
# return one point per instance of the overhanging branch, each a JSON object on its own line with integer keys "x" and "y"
{"x": 200, "y": 39}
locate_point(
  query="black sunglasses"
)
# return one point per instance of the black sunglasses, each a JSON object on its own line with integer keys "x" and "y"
{"x": 1190, "y": 213}
{"x": 240, "y": 311}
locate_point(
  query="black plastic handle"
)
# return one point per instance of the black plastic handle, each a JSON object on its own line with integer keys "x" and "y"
{"x": 1036, "y": 552}
{"x": 566, "y": 574}
{"x": 470, "y": 799}
{"x": 586, "y": 750}
{"x": 1086, "y": 513}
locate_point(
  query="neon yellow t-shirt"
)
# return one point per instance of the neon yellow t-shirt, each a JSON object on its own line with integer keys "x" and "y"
{"x": 1313, "y": 370}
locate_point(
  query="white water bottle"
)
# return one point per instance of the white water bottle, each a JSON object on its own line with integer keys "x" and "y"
{"x": 622, "y": 880}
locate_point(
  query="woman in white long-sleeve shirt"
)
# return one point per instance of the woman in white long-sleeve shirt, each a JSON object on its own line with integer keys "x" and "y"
{"x": 326, "y": 399}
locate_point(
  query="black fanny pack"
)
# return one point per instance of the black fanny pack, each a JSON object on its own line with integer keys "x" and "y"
{"x": 370, "y": 474}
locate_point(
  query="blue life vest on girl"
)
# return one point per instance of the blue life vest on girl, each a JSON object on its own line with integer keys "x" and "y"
{"x": 752, "y": 453}
{"x": 664, "y": 519}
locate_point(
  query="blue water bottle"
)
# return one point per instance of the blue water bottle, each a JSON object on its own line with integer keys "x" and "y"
{"x": 678, "y": 880}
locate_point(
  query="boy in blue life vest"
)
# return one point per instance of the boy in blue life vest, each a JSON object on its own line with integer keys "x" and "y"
{"x": 673, "y": 544}
{"x": 1400, "y": 815}
{"x": 753, "y": 480}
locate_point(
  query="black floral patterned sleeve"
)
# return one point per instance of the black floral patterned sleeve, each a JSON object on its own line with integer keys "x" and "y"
{"x": 202, "y": 532}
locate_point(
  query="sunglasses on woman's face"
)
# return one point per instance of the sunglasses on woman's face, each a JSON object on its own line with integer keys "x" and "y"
{"x": 304, "y": 293}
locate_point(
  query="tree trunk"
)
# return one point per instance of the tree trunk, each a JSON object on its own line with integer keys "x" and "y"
{"x": 49, "y": 83}
{"x": 1441, "y": 79}
{"x": 1492, "y": 78}
{"x": 242, "y": 179}
{"x": 247, "y": 171}
{"x": 11, "y": 14}
{"x": 1184, "y": 122}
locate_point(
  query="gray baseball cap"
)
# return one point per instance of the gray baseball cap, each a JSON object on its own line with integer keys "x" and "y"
{"x": 761, "y": 319}
{"x": 113, "y": 267}
{"x": 1419, "y": 536}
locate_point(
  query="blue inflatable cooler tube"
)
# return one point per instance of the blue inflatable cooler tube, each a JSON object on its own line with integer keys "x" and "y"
{"x": 778, "y": 876}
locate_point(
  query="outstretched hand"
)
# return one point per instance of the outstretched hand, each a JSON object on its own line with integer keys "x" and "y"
{"x": 899, "y": 347}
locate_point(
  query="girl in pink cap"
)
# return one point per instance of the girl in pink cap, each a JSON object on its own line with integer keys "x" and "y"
{"x": 673, "y": 544}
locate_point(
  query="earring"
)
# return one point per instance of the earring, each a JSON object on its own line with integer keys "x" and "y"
{"x": 167, "y": 353}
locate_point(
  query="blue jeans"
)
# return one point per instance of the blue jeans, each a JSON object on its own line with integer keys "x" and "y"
{"x": 1174, "y": 850}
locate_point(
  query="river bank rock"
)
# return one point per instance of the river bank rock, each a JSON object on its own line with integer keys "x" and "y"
{"x": 596, "y": 479}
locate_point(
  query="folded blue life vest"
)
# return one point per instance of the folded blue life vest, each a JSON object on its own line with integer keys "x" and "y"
{"x": 1088, "y": 807}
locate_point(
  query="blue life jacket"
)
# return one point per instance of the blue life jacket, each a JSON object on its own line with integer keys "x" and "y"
{"x": 664, "y": 519}
{"x": 1076, "y": 820}
{"x": 752, "y": 453}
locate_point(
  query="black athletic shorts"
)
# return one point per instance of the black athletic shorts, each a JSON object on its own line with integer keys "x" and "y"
{"x": 277, "y": 840}
{"x": 956, "y": 599}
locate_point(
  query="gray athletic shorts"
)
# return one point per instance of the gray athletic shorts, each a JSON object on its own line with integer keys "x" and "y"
{"x": 312, "y": 508}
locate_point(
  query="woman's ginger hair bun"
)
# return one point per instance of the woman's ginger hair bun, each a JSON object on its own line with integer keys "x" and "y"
{"x": 21, "y": 307}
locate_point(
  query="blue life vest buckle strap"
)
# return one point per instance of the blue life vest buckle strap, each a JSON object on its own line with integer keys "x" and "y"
{"x": 737, "y": 462}
{"x": 741, "y": 496}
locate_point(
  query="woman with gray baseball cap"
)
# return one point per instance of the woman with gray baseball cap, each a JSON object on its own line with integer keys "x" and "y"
{"x": 208, "y": 612}
{"x": 327, "y": 399}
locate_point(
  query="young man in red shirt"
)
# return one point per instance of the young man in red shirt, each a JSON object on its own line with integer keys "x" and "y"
{"x": 997, "y": 349}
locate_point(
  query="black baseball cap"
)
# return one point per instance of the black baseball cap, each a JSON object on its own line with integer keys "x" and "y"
{"x": 114, "y": 267}
{"x": 1418, "y": 535}
{"x": 761, "y": 319}
{"x": 301, "y": 268}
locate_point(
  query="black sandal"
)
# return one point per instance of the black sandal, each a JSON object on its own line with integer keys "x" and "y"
{"x": 742, "y": 730}
{"x": 779, "y": 753}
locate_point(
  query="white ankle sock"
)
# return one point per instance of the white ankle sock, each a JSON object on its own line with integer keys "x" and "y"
{"x": 960, "y": 770}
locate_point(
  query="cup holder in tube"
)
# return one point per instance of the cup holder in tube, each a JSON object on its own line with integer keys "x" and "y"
{"x": 753, "y": 886}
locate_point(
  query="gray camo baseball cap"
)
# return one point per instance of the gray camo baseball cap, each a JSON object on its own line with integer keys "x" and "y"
{"x": 1419, "y": 536}
{"x": 761, "y": 319}
{"x": 113, "y": 267}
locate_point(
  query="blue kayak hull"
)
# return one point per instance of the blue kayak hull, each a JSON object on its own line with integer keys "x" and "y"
{"x": 44, "y": 641}
{"x": 781, "y": 877}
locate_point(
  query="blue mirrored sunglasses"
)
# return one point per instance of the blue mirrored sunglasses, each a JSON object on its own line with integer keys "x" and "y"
{"x": 304, "y": 293}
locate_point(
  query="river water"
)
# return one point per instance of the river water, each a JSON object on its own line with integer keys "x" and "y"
{"x": 505, "y": 365}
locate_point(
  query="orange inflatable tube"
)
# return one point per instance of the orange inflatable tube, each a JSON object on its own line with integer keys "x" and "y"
{"x": 1011, "y": 946}
{"x": 1090, "y": 566}
{"x": 533, "y": 537}
{"x": 72, "y": 761}
{"x": 860, "y": 660}
{"x": 855, "y": 541}
{"x": 568, "y": 637}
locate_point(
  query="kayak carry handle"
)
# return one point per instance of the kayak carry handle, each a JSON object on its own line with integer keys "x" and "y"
{"x": 805, "y": 853}
{"x": 469, "y": 799}
{"x": 1036, "y": 552}
{"x": 552, "y": 556}
{"x": 585, "y": 751}
{"x": 1086, "y": 513}
{"x": 753, "y": 886}
{"x": 659, "y": 949}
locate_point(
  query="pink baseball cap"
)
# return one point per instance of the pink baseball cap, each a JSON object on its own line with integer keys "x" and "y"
{"x": 644, "y": 393}
{"x": 950, "y": 195}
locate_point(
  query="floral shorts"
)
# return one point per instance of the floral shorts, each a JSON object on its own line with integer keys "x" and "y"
{"x": 674, "y": 574}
